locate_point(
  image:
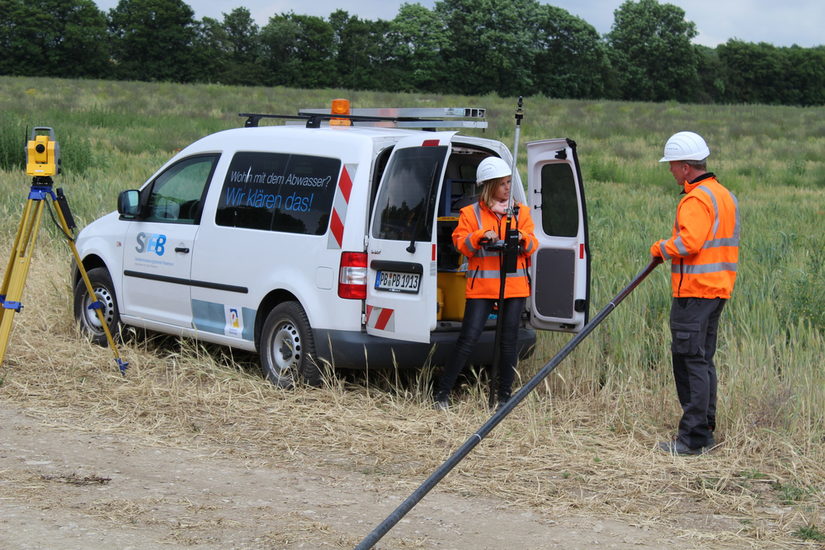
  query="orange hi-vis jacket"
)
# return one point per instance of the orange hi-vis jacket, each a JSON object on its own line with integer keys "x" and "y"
{"x": 483, "y": 266}
{"x": 704, "y": 248}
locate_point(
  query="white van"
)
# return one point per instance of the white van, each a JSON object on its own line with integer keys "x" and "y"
{"x": 328, "y": 241}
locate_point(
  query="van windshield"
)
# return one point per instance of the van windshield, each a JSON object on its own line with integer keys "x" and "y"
{"x": 406, "y": 202}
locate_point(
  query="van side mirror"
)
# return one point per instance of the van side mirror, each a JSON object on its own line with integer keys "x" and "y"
{"x": 128, "y": 203}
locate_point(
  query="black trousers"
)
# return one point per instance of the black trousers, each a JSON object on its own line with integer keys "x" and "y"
{"x": 694, "y": 325}
{"x": 476, "y": 312}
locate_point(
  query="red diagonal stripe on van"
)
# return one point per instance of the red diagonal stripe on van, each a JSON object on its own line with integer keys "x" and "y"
{"x": 337, "y": 227}
{"x": 383, "y": 318}
{"x": 345, "y": 183}
{"x": 339, "y": 207}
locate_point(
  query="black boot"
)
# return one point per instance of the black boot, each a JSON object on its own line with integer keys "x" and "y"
{"x": 442, "y": 401}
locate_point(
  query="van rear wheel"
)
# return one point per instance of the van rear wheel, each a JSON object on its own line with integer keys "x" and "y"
{"x": 287, "y": 349}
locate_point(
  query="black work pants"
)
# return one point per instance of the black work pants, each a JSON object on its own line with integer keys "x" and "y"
{"x": 694, "y": 324}
{"x": 476, "y": 312}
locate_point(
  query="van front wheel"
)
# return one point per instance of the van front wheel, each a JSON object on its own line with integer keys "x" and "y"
{"x": 86, "y": 315}
{"x": 287, "y": 349}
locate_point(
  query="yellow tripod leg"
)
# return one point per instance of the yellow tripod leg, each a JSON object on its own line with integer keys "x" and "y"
{"x": 14, "y": 279}
{"x": 17, "y": 237}
{"x": 98, "y": 310}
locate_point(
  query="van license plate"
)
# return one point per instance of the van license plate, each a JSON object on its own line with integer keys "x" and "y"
{"x": 394, "y": 281}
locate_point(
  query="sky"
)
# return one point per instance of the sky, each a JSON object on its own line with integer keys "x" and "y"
{"x": 777, "y": 22}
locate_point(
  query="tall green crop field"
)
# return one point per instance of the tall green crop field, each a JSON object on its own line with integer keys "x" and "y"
{"x": 113, "y": 135}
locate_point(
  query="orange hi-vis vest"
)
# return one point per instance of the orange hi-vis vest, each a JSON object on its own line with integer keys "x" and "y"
{"x": 704, "y": 248}
{"x": 483, "y": 266}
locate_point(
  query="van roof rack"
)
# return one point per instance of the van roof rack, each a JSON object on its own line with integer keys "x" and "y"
{"x": 428, "y": 118}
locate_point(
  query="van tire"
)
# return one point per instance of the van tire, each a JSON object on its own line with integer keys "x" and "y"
{"x": 87, "y": 318}
{"x": 287, "y": 349}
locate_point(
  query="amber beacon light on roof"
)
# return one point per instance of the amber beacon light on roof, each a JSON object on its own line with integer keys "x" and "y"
{"x": 340, "y": 107}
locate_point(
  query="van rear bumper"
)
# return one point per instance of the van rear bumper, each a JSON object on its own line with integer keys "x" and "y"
{"x": 359, "y": 350}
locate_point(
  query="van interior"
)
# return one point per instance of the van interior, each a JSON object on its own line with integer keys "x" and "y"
{"x": 458, "y": 190}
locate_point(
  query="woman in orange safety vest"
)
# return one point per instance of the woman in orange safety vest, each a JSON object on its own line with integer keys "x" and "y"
{"x": 479, "y": 223}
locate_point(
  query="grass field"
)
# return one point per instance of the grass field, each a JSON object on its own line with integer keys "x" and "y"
{"x": 606, "y": 405}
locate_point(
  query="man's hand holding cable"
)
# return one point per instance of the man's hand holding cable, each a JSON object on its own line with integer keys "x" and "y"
{"x": 656, "y": 249}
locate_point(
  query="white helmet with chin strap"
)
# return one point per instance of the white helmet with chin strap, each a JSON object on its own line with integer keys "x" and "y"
{"x": 492, "y": 168}
{"x": 685, "y": 146}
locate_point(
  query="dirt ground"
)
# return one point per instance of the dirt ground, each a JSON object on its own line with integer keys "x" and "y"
{"x": 71, "y": 488}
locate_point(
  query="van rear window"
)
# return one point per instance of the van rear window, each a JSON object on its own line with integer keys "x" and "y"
{"x": 559, "y": 201}
{"x": 406, "y": 202}
{"x": 278, "y": 192}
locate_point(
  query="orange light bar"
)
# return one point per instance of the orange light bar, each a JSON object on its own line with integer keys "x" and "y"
{"x": 340, "y": 107}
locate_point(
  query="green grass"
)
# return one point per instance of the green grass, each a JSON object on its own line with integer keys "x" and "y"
{"x": 810, "y": 532}
{"x": 114, "y": 135}
{"x": 792, "y": 494}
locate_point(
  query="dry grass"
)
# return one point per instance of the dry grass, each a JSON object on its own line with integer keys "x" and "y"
{"x": 558, "y": 454}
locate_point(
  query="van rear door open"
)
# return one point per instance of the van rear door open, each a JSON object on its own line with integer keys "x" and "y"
{"x": 560, "y": 269}
{"x": 401, "y": 278}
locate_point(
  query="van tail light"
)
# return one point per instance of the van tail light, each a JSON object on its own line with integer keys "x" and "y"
{"x": 352, "y": 277}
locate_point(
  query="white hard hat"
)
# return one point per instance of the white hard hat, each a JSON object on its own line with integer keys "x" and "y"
{"x": 491, "y": 168}
{"x": 685, "y": 146}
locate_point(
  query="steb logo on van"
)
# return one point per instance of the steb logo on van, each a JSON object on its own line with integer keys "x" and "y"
{"x": 151, "y": 242}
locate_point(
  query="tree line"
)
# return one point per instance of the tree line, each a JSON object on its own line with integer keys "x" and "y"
{"x": 468, "y": 47}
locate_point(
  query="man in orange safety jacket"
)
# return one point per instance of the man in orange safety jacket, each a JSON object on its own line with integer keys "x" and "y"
{"x": 479, "y": 223}
{"x": 704, "y": 253}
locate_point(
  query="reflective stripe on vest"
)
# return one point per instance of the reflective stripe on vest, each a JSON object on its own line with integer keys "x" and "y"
{"x": 704, "y": 268}
{"x": 494, "y": 274}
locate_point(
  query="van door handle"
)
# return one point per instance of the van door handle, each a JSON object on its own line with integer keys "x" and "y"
{"x": 182, "y": 249}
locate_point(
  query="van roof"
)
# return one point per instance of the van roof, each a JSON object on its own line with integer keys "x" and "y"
{"x": 342, "y": 141}
{"x": 243, "y": 138}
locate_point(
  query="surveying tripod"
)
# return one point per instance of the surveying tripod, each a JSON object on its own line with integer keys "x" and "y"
{"x": 42, "y": 158}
